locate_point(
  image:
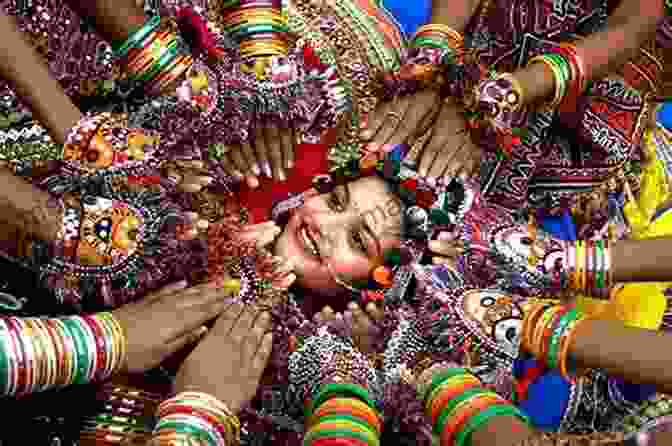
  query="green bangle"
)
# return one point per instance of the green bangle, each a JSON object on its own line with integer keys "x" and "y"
{"x": 329, "y": 390}
{"x": 467, "y": 395}
{"x": 4, "y": 361}
{"x": 81, "y": 350}
{"x": 355, "y": 420}
{"x": 172, "y": 51}
{"x": 599, "y": 272}
{"x": 183, "y": 428}
{"x": 428, "y": 42}
{"x": 444, "y": 375}
{"x": 554, "y": 348}
{"x": 136, "y": 37}
{"x": 463, "y": 438}
{"x": 337, "y": 433}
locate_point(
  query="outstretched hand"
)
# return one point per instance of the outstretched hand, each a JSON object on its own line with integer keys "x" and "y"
{"x": 403, "y": 119}
{"x": 449, "y": 151}
{"x": 229, "y": 362}
{"x": 168, "y": 320}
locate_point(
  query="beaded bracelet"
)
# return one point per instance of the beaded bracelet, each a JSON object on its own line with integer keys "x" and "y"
{"x": 38, "y": 354}
{"x": 195, "y": 417}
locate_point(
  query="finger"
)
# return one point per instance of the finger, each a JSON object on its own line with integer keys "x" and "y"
{"x": 262, "y": 152}
{"x": 229, "y": 167}
{"x": 168, "y": 289}
{"x": 228, "y": 319}
{"x": 239, "y": 161}
{"x": 287, "y": 137}
{"x": 286, "y": 281}
{"x": 174, "y": 176}
{"x": 274, "y": 146}
{"x": 263, "y": 354}
{"x": 256, "y": 335}
{"x": 180, "y": 342}
{"x": 328, "y": 312}
{"x": 445, "y": 248}
{"x": 455, "y": 164}
{"x": 244, "y": 323}
{"x": 375, "y": 120}
{"x": 251, "y": 158}
{"x": 393, "y": 120}
{"x": 430, "y": 152}
{"x": 375, "y": 312}
{"x": 190, "y": 164}
{"x": 267, "y": 237}
{"x": 419, "y": 108}
{"x": 450, "y": 263}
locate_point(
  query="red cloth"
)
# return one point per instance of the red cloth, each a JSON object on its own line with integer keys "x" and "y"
{"x": 311, "y": 160}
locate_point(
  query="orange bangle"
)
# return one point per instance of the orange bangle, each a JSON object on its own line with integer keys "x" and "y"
{"x": 548, "y": 332}
{"x": 437, "y": 404}
{"x": 529, "y": 323}
{"x": 540, "y": 329}
{"x": 564, "y": 350}
{"x": 462, "y": 413}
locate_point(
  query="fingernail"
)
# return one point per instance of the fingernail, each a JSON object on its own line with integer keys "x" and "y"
{"x": 256, "y": 170}
{"x": 444, "y": 236}
{"x": 253, "y": 182}
{"x": 192, "y": 215}
{"x": 180, "y": 285}
{"x": 288, "y": 280}
{"x": 366, "y": 134}
{"x": 290, "y": 164}
{"x": 435, "y": 245}
{"x": 283, "y": 177}
{"x": 203, "y": 224}
{"x": 202, "y": 331}
{"x": 267, "y": 170}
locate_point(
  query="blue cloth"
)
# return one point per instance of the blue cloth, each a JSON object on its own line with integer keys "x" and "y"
{"x": 547, "y": 397}
{"x": 561, "y": 227}
{"x": 665, "y": 115}
{"x": 410, "y": 15}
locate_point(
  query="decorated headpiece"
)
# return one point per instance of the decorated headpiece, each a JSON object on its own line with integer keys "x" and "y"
{"x": 428, "y": 207}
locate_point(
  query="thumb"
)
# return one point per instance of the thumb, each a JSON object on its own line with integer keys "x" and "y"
{"x": 188, "y": 338}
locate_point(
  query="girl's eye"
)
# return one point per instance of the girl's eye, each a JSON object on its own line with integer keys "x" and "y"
{"x": 357, "y": 238}
{"x": 335, "y": 203}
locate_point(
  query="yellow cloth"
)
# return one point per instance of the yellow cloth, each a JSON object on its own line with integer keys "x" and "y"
{"x": 640, "y": 305}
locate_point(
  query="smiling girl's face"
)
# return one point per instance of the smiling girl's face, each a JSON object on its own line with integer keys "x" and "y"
{"x": 348, "y": 229}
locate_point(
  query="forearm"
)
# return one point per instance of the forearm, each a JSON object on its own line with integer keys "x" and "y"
{"x": 629, "y": 26}
{"x": 27, "y": 208}
{"x": 114, "y": 19}
{"x": 455, "y": 14}
{"x": 642, "y": 260}
{"x": 30, "y": 78}
{"x": 635, "y": 354}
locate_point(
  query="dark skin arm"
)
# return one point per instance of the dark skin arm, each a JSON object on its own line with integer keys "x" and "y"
{"x": 30, "y": 79}
{"x": 631, "y": 24}
{"x": 114, "y": 19}
{"x": 636, "y": 354}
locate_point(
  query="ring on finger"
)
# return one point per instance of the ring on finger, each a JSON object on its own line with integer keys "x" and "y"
{"x": 395, "y": 115}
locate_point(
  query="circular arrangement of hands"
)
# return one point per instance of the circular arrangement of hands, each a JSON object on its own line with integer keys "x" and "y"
{"x": 448, "y": 150}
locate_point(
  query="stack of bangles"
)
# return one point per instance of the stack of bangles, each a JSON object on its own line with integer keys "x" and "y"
{"x": 342, "y": 415}
{"x": 568, "y": 71}
{"x": 439, "y": 37}
{"x": 458, "y": 404}
{"x": 155, "y": 55}
{"x": 586, "y": 268}
{"x": 259, "y": 26}
{"x": 198, "y": 419}
{"x": 37, "y": 354}
{"x": 548, "y": 333}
